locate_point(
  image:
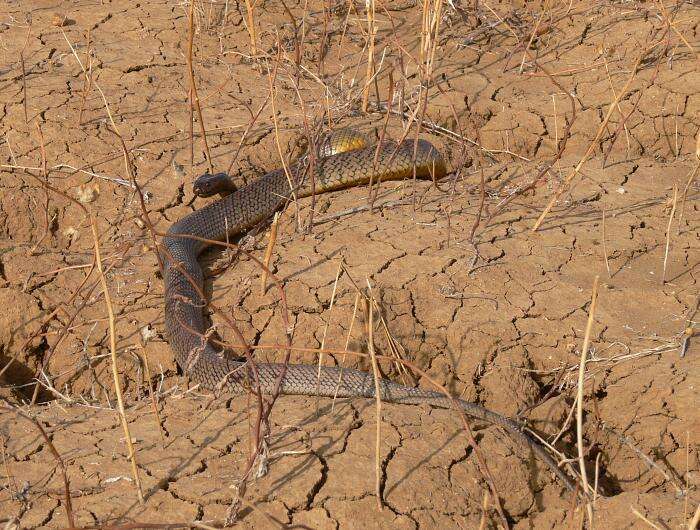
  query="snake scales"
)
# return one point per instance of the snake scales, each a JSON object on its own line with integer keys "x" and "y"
{"x": 248, "y": 206}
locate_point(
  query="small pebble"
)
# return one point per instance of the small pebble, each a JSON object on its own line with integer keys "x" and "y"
{"x": 179, "y": 169}
{"x": 59, "y": 20}
{"x": 86, "y": 193}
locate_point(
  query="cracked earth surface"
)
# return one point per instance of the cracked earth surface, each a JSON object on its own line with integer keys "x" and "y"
{"x": 497, "y": 333}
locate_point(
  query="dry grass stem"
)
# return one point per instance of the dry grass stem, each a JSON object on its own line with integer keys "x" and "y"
{"x": 250, "y": 23}
{"x": 113, "y": 352}
{"x": 45, "y": 174}
{"x": 347, "y": 343}
{"x": 24, "y": 74}
{"x": 268, "y": 253}
{"x": 371, "y": 35}
{"x": 652, "y": 465}
{"x": 605, "y": 245}
{"x": 328, "y": 320}
{"x": 695, "y": 523}
{"x": 11, "y": 484}
{"x": 668, "y": 231}
{"x": 87, "y": 81}
{"x": 579, "y": 398}
{"x": 153, "y": 395}
{"x": 378, "y": 401}
{"x": 272, "y": 78}
{"x": 689, "y": 182}
{"x": 193, "y": 94}
{"x": 24, "y": 87}
{"x": 647, "y": 521}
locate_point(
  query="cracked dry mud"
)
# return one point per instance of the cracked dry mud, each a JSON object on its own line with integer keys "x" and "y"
{"x": 498, "y": 332}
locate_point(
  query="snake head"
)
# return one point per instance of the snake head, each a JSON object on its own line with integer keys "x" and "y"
{"x": 210, "y": 184}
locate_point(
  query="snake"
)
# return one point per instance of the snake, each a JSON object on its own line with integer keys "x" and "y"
{"x": 248, "y": 206}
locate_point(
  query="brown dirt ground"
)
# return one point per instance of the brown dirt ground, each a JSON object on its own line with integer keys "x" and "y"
{"x": 497, "y": 331}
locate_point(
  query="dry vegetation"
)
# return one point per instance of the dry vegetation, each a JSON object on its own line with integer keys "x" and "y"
{"x": 552, "y": 276}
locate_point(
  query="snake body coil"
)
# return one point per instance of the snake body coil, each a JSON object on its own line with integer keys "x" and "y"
{"x": 247, "y": 207}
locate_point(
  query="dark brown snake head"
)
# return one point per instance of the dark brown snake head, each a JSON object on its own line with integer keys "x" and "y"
{"x": 211, "y": 184}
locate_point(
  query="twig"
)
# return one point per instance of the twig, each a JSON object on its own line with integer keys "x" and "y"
{"x": 250, "y": 7}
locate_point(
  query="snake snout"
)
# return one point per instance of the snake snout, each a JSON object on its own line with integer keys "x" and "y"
{"x": 210, "y": 184}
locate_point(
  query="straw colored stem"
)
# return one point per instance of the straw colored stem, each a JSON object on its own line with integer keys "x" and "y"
{"x": 378, "y": 401}
{"x": 268, "y": 253}
{"x": 668, "y": 231}
{"x": 250, "y": 22}
{"x": 193, "y": 95}
{"x": 371, "y": 32}
{"x": 579, "y": 402}
{"x": 113, "y": 352}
